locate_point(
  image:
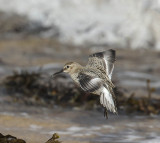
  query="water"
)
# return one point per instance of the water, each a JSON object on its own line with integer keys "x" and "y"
{"x": 138, "y": 79}
{"x": 38, "y": 124}
{"x": 105, "y": 22}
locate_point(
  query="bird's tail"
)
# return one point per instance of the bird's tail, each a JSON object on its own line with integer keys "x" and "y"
{"x": 107, "y": 100}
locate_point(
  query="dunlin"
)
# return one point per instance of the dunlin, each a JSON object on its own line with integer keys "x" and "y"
{"x": 95, "y": 77}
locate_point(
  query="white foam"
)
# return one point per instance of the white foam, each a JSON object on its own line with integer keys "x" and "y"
{"x": 134, "y": 22}
{"x": 77, "y": 131}
{"x": 35, "y": 127}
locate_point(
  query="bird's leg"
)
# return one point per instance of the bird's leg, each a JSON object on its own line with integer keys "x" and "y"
{"x": 105, "y": 113}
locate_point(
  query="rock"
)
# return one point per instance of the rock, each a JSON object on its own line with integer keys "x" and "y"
{"x": 10, "y": 139}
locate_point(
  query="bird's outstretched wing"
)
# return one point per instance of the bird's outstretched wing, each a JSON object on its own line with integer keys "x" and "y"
{"x": 92, "y": 84}
{"x": 103, "y": 61}
{"x": 89, "y": 83}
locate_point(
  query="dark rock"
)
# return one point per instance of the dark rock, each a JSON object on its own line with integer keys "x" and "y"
{"x": 10, "y": 139}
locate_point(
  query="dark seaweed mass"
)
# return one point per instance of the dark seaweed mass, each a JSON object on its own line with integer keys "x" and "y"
{"x": 38, "y": 89}
{"x": 10, "y": 139}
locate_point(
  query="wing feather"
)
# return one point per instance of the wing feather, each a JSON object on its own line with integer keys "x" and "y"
{"x": 103, "y": 61}
{"x": 89, "y": 83}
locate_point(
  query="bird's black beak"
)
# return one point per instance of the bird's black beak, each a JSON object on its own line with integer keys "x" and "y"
{"x": 56, "y": 73}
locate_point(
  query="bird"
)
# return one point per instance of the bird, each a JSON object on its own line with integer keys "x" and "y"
{"x": 95, "y": 77}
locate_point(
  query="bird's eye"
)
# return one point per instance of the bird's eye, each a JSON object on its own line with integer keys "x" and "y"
{"x": 67, "y": 67}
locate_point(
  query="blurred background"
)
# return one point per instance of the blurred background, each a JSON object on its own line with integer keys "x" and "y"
{"x": 37, "y": 37}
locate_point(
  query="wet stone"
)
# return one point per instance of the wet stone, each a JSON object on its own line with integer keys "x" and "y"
{"x": 10, "y": 139}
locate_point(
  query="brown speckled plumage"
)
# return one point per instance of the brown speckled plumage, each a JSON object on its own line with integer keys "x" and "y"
{"x": 95, "y": 77}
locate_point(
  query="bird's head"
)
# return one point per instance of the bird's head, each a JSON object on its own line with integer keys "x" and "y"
{"x": 70, "y": 68}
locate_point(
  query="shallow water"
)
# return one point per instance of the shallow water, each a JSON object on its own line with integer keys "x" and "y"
{"x": 37, "y": 124}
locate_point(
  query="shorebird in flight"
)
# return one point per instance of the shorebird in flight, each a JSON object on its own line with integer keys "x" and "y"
{"x": 95, "y": 77}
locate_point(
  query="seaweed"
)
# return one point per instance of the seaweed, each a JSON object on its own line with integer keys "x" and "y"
{"x": 10, "y": 139}
{"x": 143, "y": 105}
{"x": 53, "y": 139}
{"x": 38, "y": 89}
